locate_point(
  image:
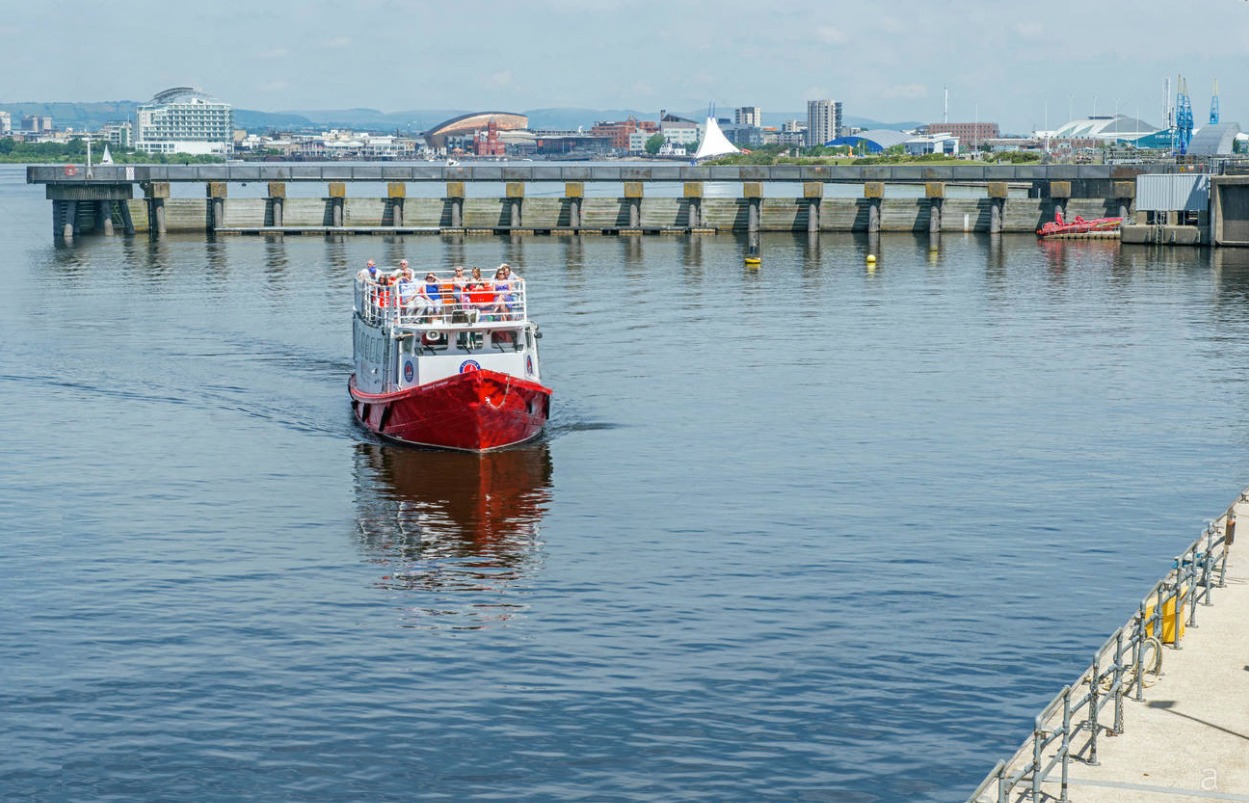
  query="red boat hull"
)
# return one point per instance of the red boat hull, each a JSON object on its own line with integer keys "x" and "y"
{"x": 474, "y": 411}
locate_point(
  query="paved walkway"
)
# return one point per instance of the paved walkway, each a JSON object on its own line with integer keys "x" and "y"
{"x": 1189, "y": 739}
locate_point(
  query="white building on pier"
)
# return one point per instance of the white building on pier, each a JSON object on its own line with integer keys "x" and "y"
{"x": 184, "y": 120}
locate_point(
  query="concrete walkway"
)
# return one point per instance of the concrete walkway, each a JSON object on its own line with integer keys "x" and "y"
{"x": 1189, "y": 740}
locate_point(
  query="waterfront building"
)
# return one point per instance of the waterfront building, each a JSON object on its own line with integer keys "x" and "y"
{"x": 873, "y": 141}
{"x": 748, "y": 116}
{"x": 678, "y": 131}
{"x": 932, "y": 143}
{"x": 823, "y": 121}
{"x": 119, "y": 135}
{"x": 6, "y": 123}
{"x": 37, "y": 123}
{"x": 463, "y": 129}
{"x": 184, "y": 120}
{"x": 618, "y": 132}
{"x": 971, "y": 134}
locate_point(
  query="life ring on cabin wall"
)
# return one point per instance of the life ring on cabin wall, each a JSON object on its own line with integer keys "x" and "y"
{"x": 71, "y": 170}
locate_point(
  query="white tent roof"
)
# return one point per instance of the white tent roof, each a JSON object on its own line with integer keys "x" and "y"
{"x": 714, "y": 142}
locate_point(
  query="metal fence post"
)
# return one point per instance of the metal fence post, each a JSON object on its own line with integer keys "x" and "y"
{"x": 1118, "y": 682}
{"x": 1065, "y": 747}
{"x": 1095, "y": 686}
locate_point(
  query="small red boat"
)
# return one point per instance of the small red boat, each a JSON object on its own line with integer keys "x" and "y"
{"x": 1058, "y": 226}
{"x": 445, "y": 363}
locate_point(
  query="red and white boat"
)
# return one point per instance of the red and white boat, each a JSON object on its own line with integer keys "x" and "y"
{"x": 461, "y": 372}
{"x": 1105, "y": 226}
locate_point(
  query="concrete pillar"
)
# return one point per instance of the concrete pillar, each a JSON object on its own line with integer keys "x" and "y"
{"x": 574, "y": 191}
{"x": 874, "y": 192}
{"x": 338, "y": 196}
{"x": 127, "y": 222}
{"x": 277, "y": 201}
{"x": 156, "y": 192}
{"x": 455, "y": 196}
{"x": 1060, "y": 192}
{"x": 752, "y": 191}
{"x": 813, "y": 191}
{"x": 516, "y": 197}
{"x": 216, "y": 205}
{"x": 633, "y": 196}
{"x": 1125, "y": 193}
{"x": 396, "y": 192}
{"x": 104, "y": 218}
{"x": 694, "y": 202}
{"x": 935, "y": 192}
{"x": 997, "y": 208}
{"x": 70, "y": 226}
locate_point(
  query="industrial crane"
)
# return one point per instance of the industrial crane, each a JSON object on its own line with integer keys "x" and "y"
{"x": 1183, "y": 118}
{"x": 1214, "y": 104}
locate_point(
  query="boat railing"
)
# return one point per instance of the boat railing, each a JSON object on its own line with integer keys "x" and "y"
{"x": 1068, "y": 728}
{"x": 456, "y": 304}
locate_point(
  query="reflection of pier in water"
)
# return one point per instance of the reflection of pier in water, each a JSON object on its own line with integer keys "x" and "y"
{"x": 462, "y": 528}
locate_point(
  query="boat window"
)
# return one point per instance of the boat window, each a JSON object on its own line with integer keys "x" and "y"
{"x": 506, "y": 340}
{"x": 434, "y": 341}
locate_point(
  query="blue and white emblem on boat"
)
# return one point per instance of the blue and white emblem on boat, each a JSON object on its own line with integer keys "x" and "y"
{"x": 409, "y": 371}
{"x": 529, "y": 364}
{"x": 469, "y": 365}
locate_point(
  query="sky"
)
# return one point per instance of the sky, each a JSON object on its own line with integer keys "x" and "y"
{"x": 1019, "y": 64}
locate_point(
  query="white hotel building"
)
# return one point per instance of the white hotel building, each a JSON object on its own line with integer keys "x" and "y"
{"x": 184, "y": 120}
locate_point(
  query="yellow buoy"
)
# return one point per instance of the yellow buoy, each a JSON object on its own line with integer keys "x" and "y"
{"x": 871, "y": 259}
{"x": 753, "y": 260}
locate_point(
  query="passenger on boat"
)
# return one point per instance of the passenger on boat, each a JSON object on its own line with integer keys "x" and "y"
{"x": 408, "y": 289}
{"x": 480, "y": 296}
{"x": 431, "y": 292}
{"x": 369, "y": 271}
{"x": 507, "y": 295}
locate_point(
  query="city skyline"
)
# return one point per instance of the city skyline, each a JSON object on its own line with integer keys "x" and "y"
{"x": 1012, "y": 65}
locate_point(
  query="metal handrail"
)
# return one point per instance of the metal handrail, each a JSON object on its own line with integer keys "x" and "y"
{"x": 1057, "y": 730}
{"x": 507, "y": 305}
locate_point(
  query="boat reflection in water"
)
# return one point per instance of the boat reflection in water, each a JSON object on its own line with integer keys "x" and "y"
{"x": 459, "y": 529}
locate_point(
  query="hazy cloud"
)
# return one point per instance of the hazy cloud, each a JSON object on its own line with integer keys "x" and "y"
{"x": 830, "y": 35}
{"x": 906, "y": 91}
{"x": 499, "y": 79}
{"x": 275, "y": 53}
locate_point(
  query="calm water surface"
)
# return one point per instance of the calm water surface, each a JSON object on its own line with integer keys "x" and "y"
{"x": 810, "y": 532}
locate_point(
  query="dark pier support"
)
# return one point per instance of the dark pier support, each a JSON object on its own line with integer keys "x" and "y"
{"x": 396, "y": 193}
{"x": 515, "y": 199}
{"x": 997, "y": 205}
{"x": 277, "y": 203}
{"x": 813, "y": 191}
{"x": 633, "y": 197}
{"x": 70, "y": 225}
{"x": 874, "y": 192}
{"x": 574, "y": 192}
{"x": 216, "y": 205}
{"x": 935, "y": 192}
{"x": 1125, "y": 194}
{"x": 127, "y": 223}
{"x": 67, "y": 204}
{"x": 455, "y": 197}
{"x": 336, "y": 200}
{"x": 104, "y": 217}
{"x": 694, "y": 203}
{"x": 752, "y": 191}
{"x": 157, "y": 192}
{"x": 1060, "y": 193}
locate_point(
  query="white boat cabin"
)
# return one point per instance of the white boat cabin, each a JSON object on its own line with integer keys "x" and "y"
{"x": 412, "y": 333}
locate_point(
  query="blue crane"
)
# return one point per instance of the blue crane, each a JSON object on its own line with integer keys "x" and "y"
{"x": 1183, "y": 118}
{"x": 1214, "y": 104}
